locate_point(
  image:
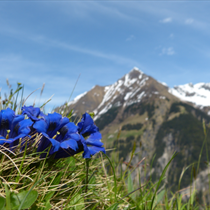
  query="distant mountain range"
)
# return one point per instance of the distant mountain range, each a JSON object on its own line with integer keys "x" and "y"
{"x": 138, "y": 110}
{"x": 199, "y": 94}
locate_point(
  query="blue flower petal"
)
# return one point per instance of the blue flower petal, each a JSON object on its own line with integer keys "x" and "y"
{"x": 17, "y": 119}
{"x": 72, "y": 128}
{"x": 93, "y": 150}
{"x": 15, "y": 125}
{"x": 25, "y": 126}
{"x": 32, "y": 112}
{"x": 54, "y": 142}
{"x": 69, "y": 144}
{"x": 54, "y": 124}
{"x": 7, "y": 117}
{"x": 94, "y": 143}
{"x": 63, "y": 122}
{"x": 86, "y": 153}
{"x": 94, "y": 137}
{"x": 87, "y": 125}
{"x": 55, "y": 118}
{"x": 41, "y": 125}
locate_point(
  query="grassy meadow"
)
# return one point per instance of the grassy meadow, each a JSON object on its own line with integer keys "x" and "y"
{"x": 31, "y": 180}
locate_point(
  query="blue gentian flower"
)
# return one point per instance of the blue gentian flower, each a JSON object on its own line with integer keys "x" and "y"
{"x": 32, "y": 112}
{"x": 90, "y": 136}
{"x": 13, "y": 128}
{"x": 58, "y": 133}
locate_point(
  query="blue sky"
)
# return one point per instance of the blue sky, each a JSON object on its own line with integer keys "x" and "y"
{"x": 53, "y": 42}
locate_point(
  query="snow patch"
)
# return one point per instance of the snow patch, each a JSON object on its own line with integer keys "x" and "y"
{"x": 198, "y": 94}
{"x": 127, "y": 96}
{"x": 96, "y": 94}
{"x": 163, "y": 83}
{"x": 117, "y": 104}
{"x": 162, "y": 97}
{"x": 76, "y": 99}
{"x": 137, "y": 69}
{"x": 140, "y": 95}
{"x": 105, "y": 109}
{"x": 129, "y": 81}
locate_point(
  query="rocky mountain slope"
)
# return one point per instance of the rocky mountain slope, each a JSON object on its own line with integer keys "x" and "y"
{"x": 141, "y": 113}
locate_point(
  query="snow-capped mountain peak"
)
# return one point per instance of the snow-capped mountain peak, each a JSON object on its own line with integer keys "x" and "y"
{"x": 133, "y": 87}
{"x": 123, "y": 92}
{"x": 199, "y": 93}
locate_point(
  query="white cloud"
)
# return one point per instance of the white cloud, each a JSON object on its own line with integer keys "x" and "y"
{"x": 189, "y": 21}
{"x": 166, "y": 20}
{"x": 131, "y": 37}
{"x": 167, "y": 51}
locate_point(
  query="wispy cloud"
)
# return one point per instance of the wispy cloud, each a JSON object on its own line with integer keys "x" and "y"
{"x": 47, "y": 41}
{"x": 166, "y": 20}
{"x": 130, "y": 38}
{"x": 63, "y": 45}
{"x": 88, "y": 10}
{"x": 189, "y": 21}
{"x": 32, "y": 75}
{"x": 167, "y": 51}
{"x": 173, "y": 13}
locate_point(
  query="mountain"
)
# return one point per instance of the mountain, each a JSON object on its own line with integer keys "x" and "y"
{"x": 139, "y": 113}
{"x": 132, "y": 88}
{"x": 198, "y": 94}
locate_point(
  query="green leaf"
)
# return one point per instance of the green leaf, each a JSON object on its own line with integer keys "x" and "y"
{"x": 70, "y": 114}
{"x": 16, "y": 199}
{"x": 159, "y": 197}
{"x": 161, "y": 178}
{"x": 30, "y": 198}
{"x": 47, "y": 205}
{"x": 2, "y": 202}
{"x": 8, "y": 206}
{"x": 130, "y": 186}
{"x": 113, "y": 207}
{"x": 78, "y": 202}
{"x": 24, "y": 199}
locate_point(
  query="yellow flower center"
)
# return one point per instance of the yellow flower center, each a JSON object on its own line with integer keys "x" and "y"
{"x": 58, "y": 133}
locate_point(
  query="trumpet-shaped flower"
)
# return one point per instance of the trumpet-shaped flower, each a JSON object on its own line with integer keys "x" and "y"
{"x": 58, "y": 133}
{"x": 32, "y": 112}
{"x": 90, "y": 136}
{"x": 13, "y": 127}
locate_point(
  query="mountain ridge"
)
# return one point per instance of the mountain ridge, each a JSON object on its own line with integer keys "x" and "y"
{"x": 197, "y": 94}
{"x": 137, "y": 109}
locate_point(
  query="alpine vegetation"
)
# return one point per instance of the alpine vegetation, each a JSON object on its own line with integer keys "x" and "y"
{"x": 51, "y": 161}
{"x": 62, "y": 137}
